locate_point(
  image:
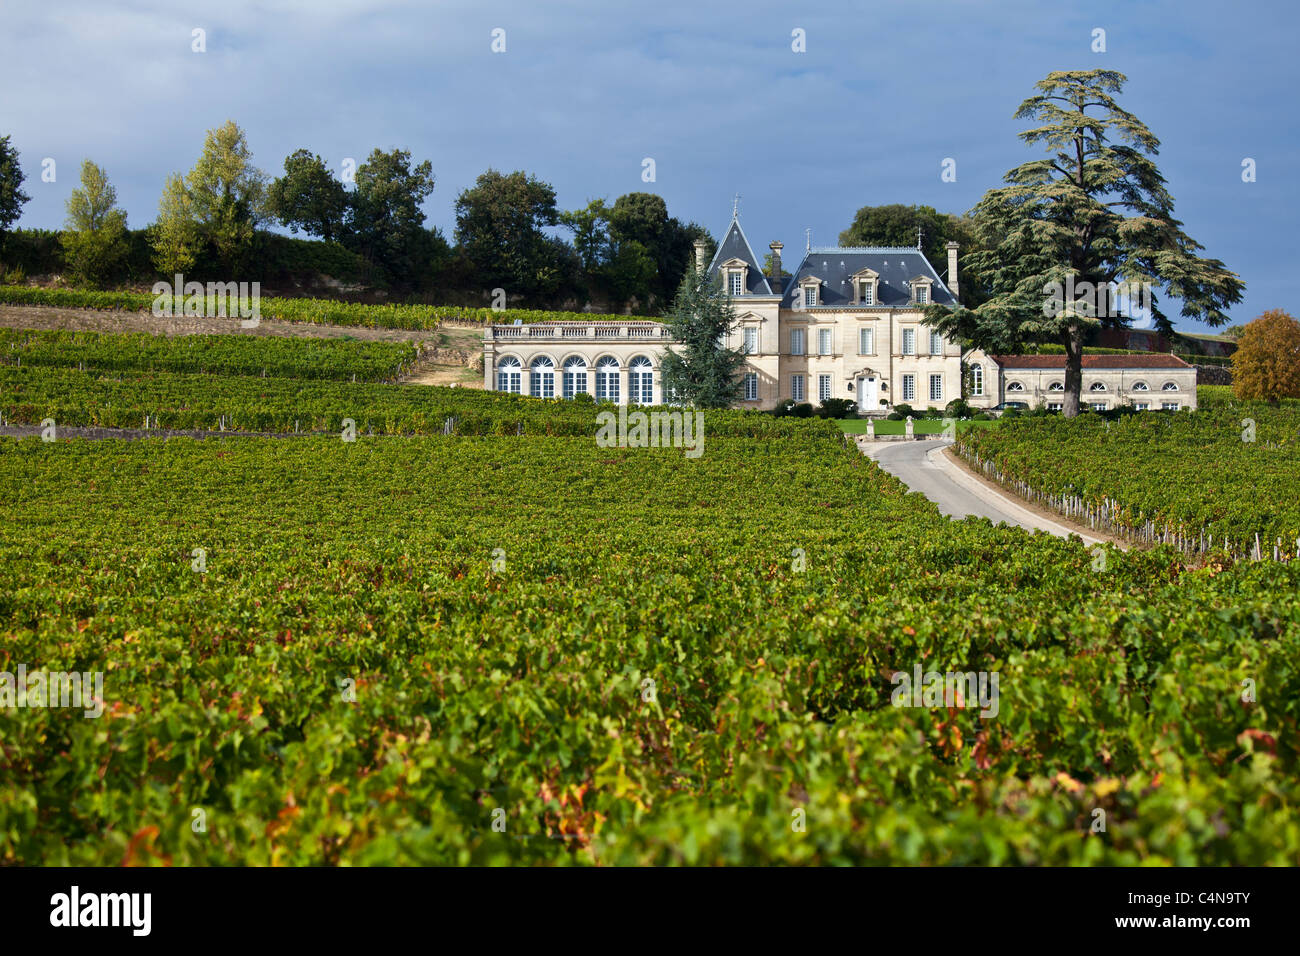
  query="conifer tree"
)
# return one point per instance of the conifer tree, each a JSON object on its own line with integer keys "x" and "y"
{"x": 699, "y": 370}
{"x": 1093, "y": 212}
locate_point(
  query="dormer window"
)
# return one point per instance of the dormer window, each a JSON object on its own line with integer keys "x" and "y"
{"x": 864, "y": 287}
{"x": 808, "y": 292}
{"x": 736, "y": 274}
{"x": 921, "y": 290}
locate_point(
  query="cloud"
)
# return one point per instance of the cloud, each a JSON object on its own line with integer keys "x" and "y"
{"x": 716, "y": 95}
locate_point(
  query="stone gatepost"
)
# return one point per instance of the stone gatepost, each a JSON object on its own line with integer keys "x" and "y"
{"x": 907, "y": 428}
{"x": 871, "y": 429}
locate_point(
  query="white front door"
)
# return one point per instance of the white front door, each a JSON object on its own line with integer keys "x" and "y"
{"x": 868, "y": 393}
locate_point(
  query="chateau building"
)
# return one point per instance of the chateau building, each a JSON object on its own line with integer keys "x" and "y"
{"x": 846, "y": 324}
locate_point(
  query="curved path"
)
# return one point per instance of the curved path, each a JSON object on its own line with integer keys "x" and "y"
{"x": 923, "y": 467}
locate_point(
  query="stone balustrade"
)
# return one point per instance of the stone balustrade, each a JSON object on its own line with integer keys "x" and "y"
{"x": 578, "y": 332}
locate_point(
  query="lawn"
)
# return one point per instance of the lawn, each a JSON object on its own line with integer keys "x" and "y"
{"x": 922, "y": 426}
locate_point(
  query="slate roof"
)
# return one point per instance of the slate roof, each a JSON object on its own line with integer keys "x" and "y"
{"x": 734, "y": 245}
{"x": 896, "y": 265}
{"x": 1150, "y": 360}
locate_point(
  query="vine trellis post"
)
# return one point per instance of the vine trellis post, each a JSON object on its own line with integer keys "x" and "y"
{"x": 1107, "y": 516}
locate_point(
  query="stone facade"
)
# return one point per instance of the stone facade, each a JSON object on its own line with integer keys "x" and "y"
{"x": 1149, "y": 382}
{"x": 616, "y": 361}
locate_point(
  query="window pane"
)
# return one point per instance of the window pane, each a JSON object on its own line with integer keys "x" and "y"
{"x": 796, "y": 341}
{"x": 796, "y": 387}
{"x": 909, "y": 341}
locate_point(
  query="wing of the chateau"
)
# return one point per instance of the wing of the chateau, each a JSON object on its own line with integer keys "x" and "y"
{"x": 845, "y": 324}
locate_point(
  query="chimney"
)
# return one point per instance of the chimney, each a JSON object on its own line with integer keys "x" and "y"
{"x": 952, "y": 268}
{"x": 700, "y": 246}
{"x": 776, "y": 248}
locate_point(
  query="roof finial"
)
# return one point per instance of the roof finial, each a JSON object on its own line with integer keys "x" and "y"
{"x": 807, "y": 245}
{"x": 920, "y": 231}
{"x": 735, "y": 208}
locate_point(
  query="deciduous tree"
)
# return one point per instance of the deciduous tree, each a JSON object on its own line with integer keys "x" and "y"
{"x": 227, "y": 195}
{"x": 12, "y": 197}
{"x": 95, "y": 238}
{"x": 175, "y": 236}
{"x": 309, "y": 197}
{"x": 1266, "y": 364}
{"x": 499, "y": 223}
{"x": 387, "y": 223}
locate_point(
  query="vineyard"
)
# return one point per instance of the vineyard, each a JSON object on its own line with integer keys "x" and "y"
{"x": 1223, "y": 478}
{"x": 320, "y": 311}
{"x": 332, "y": 359}
{"x": 536, "y": 650}
{"x": 476, "y": 636}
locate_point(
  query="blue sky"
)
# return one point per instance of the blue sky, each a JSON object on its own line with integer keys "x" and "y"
{"x": 713, "y": 92}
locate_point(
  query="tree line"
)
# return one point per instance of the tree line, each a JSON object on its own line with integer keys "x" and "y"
{"x": 215, "y": 222}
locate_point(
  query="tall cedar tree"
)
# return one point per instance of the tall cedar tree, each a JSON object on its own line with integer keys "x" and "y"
{"x": 1095, "y": 210}
{"x": 699, "y": 370}
{"x": 1266, "y": 364}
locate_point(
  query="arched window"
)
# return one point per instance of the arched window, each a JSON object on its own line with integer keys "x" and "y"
{"x": 1097, "y": 387}
{"x": 508, "y": 373}
{"x": 640, "y": 381}
{"x": 1139, "y": 386}
{"x": 1015, "y": 387}
{"x": 575, "y": 376}
{"x": 542, "y": 384}
{"x": 977, "y": 380}
{"x": 1056, "y": 387}
{"x": 607, "y": 379}
{"x": 1169, "y": 387}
